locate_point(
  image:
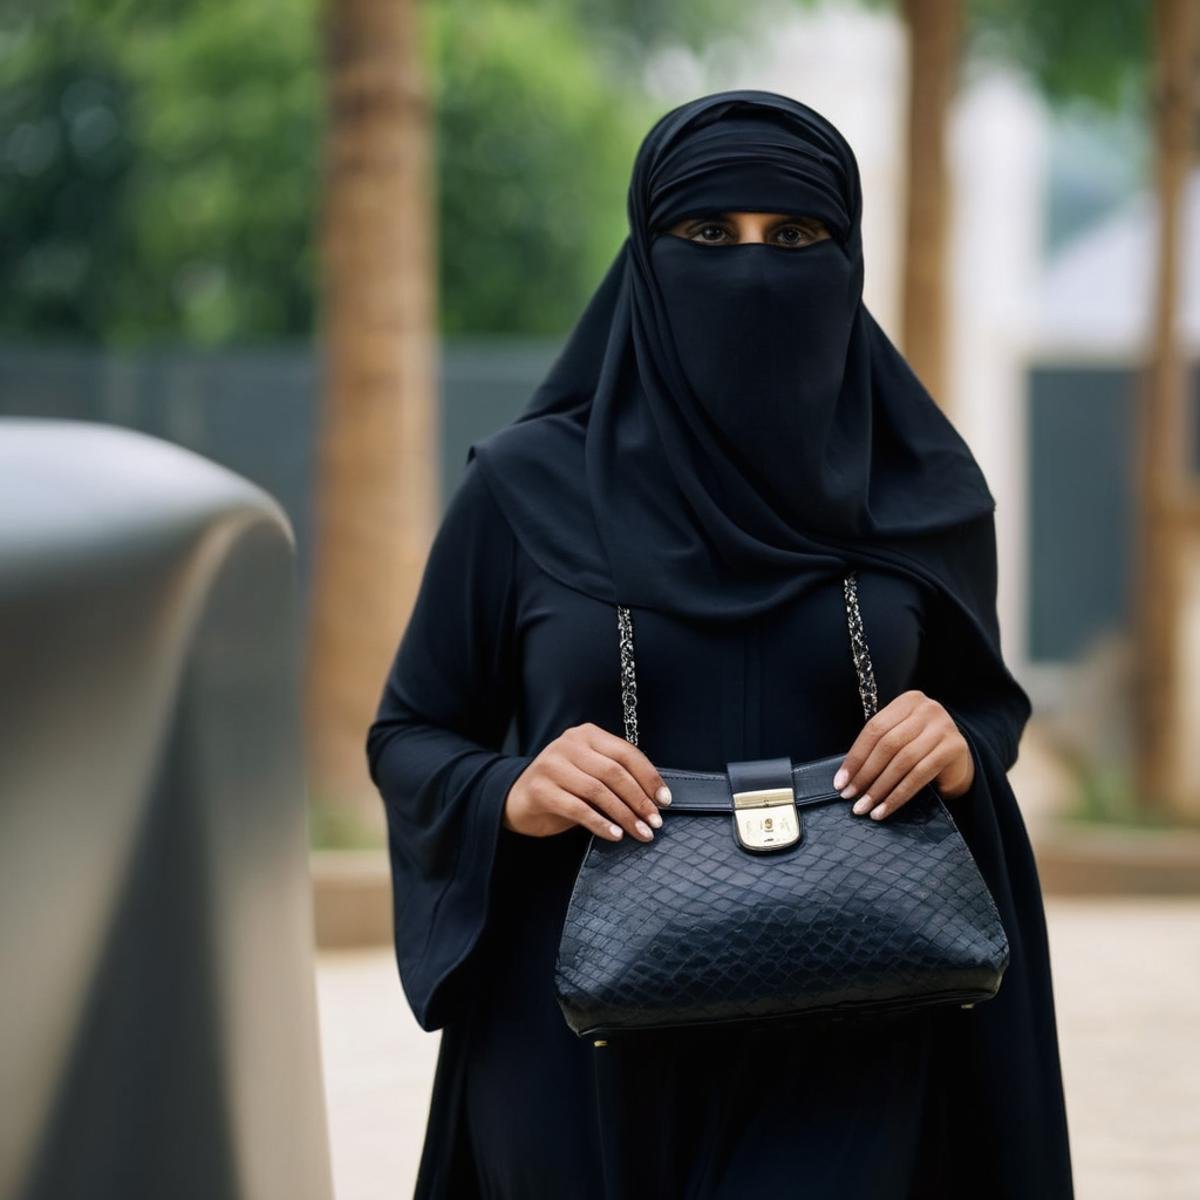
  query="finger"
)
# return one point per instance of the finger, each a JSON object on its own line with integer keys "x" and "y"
{"x": 618, "y": 779}
{"x": 922, "y": 741}
{"x": 886, "y": 746}
{"x": 597, "y": 793}
{"x": 848, "y": 777}
{"x": 900, "y": 787}
{"x": 936, "y": 738}
{"x": 921, "y": 774}
{"x": 574, "y": 809}
{"x": 633, "y": 760}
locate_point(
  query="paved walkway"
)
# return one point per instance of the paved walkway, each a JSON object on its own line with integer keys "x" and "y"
{"x": 1127, "y": 979}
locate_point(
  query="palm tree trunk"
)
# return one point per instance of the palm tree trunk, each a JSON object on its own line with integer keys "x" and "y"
{"x": 1167, "y": 516}
{"x": 377, "y": 487}
{"x": 935, "y": 33}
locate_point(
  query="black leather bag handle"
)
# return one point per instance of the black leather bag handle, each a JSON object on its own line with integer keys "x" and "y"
{"x": 858, "y": 652}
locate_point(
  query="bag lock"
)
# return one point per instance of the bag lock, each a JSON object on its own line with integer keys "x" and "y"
{"x": 765, "y": 816}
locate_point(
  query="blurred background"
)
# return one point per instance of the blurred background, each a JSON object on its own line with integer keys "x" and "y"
{"x": 328, "y": 245}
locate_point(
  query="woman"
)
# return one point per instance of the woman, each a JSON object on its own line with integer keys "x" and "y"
{"x": 726, "y": 431}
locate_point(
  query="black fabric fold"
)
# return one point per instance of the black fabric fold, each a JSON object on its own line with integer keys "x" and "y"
{"x": 434, "y": 753}
{"x": 996, "y": 1091}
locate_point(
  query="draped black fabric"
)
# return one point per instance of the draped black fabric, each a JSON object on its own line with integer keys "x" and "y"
{"x": 816, "y": 447}
{"x": 726, "y": 430}
{"x": 733, "y": 414}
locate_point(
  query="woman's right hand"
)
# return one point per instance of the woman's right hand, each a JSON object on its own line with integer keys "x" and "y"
{"x": 590, "y": 777}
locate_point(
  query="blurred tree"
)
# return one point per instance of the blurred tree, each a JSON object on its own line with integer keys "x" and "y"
{"x": 377, "y": 489}
{"x": 1167, "y": 497}
{"x": 1147, "y": 56}
{"x": 1074, "y": 49}
{"x": 1071, "y": 49}
{"x": 535, "y": 143}
{"x": 934, "y": 50}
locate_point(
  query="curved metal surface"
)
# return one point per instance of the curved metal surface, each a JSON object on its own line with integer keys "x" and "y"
{"x": 160, "y": 1028}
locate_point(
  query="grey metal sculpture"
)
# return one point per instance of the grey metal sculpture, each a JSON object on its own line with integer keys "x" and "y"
{"x": 158, "y": 1034}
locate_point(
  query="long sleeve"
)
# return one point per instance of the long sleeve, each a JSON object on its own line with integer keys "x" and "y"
{"x": 434, "y": 749}
{"x": 987, "y": 703}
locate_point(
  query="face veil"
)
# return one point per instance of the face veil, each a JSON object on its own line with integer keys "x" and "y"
{"x": 762, "y": 333}
{"x": 727, "y": 426}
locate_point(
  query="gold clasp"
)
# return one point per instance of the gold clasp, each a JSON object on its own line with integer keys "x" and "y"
{"x": 766, "y": 818}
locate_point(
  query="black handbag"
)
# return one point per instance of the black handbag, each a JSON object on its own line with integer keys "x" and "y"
{"x": 763, "y": 898}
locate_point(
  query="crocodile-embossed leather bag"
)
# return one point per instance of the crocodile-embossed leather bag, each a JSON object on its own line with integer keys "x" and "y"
{"x": 763, "y": 898}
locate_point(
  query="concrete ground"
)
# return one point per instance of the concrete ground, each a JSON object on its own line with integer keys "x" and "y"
{"x": 1127, "y": 981}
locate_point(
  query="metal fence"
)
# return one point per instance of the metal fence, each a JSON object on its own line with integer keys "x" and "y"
{"x": 254, "y": 411}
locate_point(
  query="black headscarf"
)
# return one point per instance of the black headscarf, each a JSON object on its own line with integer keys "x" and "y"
{"x": 726, "y": 422}
{"x": 727, "y": 426}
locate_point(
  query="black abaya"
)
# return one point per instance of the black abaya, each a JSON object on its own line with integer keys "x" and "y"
{"x": 947, "y": 1103}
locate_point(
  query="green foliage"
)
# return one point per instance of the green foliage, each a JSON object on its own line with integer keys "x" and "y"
{"x": 160, "y": 180}
{"x": 535, "y": 148}
{"x": 164, "y": 170}
{"x": 65, "y": 169}
{"x": 223, "y": 198}
{"x": 1074, "y": 49}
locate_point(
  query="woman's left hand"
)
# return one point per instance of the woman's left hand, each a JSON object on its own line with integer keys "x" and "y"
{"x": 908, "y": 743}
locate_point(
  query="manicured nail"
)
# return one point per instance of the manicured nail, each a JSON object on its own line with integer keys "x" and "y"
{"x": 878, "y": 813}
{"x": 848, "y": 791}
{"x": 615, "y": 830}
{"x": 643, "y": 829}
{"x": 663, "y": 795}
{"x": 861, "y": 805}
{"x": 839, "y": 779}
{"x": 655, "y": 820}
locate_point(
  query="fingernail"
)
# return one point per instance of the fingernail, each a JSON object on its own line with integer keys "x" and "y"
{"x": 848, "y": 791}
{"x": 839, "y": 779}
{"x": 878, "y": 813}
{"x": 663, "y": 795}
{"x": 655, "y": 820}
{"x": 615, "y": 830}
{"x": 861, "y": 805}
{"x": 643, "y": 829}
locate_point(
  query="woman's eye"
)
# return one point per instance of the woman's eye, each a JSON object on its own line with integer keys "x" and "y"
{"x": 799, "y": 235}
{"x": 701, "y": 232}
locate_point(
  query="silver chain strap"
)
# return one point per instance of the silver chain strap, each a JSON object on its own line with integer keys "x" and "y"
{"x": 628, "y": 674}
{"x": 858, "y": 652}
{"x": 858, "y": 647}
